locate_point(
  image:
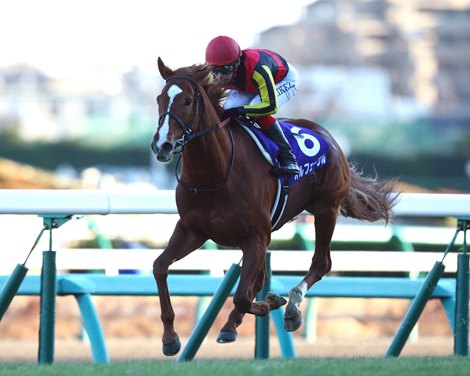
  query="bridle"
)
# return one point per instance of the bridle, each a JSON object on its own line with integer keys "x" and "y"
{"x": 189, "y": 135}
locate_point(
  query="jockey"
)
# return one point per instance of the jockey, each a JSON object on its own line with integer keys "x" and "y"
{"x": 260, "y": 81}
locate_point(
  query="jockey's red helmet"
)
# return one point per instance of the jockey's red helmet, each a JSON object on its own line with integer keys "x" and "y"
{"x": 222, "y": 51}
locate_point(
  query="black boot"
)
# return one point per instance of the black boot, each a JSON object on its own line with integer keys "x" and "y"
{"x": 287, "y": 161}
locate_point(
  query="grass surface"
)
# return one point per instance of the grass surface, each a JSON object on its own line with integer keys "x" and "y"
{"x": 415, "y": 366}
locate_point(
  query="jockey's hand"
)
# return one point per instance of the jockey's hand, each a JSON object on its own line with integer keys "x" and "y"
{"x": 231, "y": 113}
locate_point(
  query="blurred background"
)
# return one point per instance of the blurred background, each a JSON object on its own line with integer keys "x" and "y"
{"x": 78, "y": 81}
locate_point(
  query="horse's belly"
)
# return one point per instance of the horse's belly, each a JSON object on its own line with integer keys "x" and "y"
{"x": 228, "y": 233}
{"x": 228, "y": 229}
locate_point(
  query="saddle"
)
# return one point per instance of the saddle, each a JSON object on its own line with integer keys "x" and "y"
{"x": 309, "y": 148}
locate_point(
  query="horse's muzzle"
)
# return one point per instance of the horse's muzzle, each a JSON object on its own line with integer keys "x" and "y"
{"x": 164, "y": 153}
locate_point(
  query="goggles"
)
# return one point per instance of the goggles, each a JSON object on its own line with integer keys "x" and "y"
{"x": 223, "y": 69}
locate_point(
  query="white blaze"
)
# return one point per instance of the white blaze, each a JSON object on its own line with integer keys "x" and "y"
{"x": 173, "y": 91}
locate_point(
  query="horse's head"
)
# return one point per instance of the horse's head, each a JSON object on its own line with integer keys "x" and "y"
{"x": 179, "y": 105}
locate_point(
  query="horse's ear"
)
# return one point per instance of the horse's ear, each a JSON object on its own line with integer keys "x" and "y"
{"x": 164, "y": 70}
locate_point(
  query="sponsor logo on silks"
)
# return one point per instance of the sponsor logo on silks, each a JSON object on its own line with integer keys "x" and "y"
{"x": 284, "y": 88}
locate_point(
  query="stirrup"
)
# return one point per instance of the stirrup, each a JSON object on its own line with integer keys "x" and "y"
{"x": 290, "y": 169}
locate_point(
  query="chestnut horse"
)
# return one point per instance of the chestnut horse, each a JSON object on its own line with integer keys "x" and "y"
{"x": 226, "y": 191}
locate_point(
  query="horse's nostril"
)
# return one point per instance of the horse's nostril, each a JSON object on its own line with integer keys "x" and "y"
{"x": 167, "y": 148}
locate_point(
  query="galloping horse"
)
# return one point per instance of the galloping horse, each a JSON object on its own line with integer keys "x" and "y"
{"x": 226, "y": 191}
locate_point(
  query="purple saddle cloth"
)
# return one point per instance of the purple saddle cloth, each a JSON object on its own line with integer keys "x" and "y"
{"x": 309, "y": 147}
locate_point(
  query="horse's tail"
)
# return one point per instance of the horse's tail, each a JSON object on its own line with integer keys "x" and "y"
{"x": 368, "y": 199}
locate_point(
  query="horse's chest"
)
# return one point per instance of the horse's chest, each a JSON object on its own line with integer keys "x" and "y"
{"x": 218, "y": 222}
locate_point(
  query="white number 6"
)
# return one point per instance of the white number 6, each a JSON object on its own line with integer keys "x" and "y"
{"x": 301, "y": 138}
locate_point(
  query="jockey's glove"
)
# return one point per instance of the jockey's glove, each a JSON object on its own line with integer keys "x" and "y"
{"x": 231, "y": 113}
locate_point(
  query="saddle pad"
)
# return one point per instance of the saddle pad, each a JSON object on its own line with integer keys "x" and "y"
{"x": 308, "y": 147}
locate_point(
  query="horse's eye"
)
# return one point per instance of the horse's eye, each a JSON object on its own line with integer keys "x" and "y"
{"x": 187, "y": 102}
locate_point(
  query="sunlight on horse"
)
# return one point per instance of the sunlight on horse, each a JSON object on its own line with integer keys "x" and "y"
{"x": 226, "y": 192}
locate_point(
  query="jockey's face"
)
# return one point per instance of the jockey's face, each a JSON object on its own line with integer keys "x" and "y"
{"x": 223, "y": 79}
{"x": 224, "y": 74}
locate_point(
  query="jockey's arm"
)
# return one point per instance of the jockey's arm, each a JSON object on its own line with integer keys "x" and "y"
{"x": 268, "y": 105}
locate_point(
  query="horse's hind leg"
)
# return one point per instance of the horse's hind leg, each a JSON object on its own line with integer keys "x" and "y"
{"x": 181, "y": 243}
{"x": 321, "y": 264}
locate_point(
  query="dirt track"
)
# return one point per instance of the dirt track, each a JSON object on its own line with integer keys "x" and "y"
{"x": 150, "y": 348}
{"x": 345, "y": 327}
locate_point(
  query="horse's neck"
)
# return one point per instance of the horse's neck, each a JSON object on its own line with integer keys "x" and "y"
{"x": 208, "y": 157}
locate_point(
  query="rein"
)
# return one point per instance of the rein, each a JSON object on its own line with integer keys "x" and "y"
{"x": 189, "y": 135}
{"x": 203, "y": 132}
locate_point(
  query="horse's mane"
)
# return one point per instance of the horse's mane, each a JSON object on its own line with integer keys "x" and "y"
{"x": 201, "y": 73}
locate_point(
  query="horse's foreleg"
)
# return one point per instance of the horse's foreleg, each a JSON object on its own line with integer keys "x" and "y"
{"x": 228, "y": 333}
{"x": 252, "y": 279}
{"x": 181, "y": 243}
{"x": 273, "y": 301}
{"x": 321, "y": 264}
{"x": 254, "y": 251}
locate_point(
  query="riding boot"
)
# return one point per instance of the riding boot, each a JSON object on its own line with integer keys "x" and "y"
{"x": 287, "y": 161}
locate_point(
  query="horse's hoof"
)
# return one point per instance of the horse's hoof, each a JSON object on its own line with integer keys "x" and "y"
{"x": 172, "y": 348}
{"x": 274, "y": 301}
{"x": 292, "y": 318}
{"x": 227, "y": 336}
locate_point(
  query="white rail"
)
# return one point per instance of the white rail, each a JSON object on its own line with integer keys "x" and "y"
{"x": 19, "y": 231}
{"x": 78, "y": 201}
{"x": 216, "y": 261}
{"x": 60, "y": 201}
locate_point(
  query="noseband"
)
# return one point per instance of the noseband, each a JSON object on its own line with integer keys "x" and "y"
{"x": 189, "y": 135}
